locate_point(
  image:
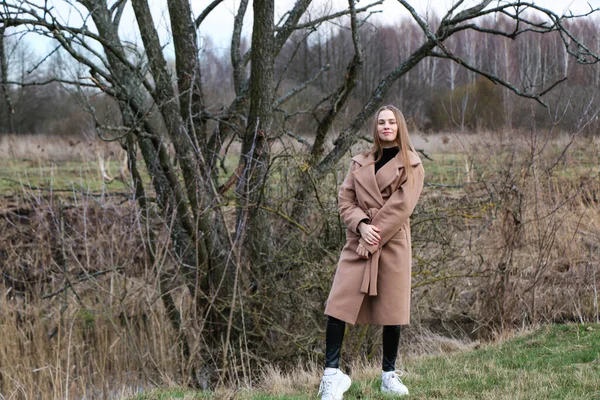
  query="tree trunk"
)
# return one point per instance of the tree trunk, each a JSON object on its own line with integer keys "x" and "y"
{"x": 5, "y": 88}
{"x": 189, "y": 76}
{"x": 254, "y": 162}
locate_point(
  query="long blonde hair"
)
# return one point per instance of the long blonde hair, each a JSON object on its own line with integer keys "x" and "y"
{"x": 402, "y": 140}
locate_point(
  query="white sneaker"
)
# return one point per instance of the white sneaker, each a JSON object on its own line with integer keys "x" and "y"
{"x": 391, "y": 383}
{"x": 333, "y": 386}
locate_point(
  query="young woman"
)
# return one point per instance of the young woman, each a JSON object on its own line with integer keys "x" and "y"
{"x": 372, "y": 280}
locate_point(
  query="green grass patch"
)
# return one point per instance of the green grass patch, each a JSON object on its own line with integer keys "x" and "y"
{"x": 85, "y": 175}
{"x": 447, "y": 168}
{"x": 60, "y": 175}
{"x": 554, "y": 362}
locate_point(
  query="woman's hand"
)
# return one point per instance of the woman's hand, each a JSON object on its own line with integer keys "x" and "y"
{"x": 362, "y": 252}
{"x": 369, "y": 233}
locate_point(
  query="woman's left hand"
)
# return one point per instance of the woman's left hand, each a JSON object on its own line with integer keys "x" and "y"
{"x": 362, "y": 252}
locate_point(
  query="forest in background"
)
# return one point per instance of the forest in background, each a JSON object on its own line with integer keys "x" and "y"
{"x": 436, "y": 95}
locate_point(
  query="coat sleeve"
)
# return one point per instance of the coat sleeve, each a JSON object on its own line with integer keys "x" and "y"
{"x": 350, "y": 212}
{"x": 397, "y": 209}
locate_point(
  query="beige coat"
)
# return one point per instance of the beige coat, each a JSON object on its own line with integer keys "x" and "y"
{"x": 376, "y": 291}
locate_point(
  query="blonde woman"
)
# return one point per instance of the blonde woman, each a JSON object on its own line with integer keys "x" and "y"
{"x": 372, "y": 280}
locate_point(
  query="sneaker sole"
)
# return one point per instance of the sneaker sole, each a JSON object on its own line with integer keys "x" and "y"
{"x": 384, "y": 390}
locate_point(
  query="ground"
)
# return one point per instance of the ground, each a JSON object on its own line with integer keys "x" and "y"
{"x": 550, "y": 362}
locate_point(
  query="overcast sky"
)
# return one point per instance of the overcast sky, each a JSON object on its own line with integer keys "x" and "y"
{"x": 218, "y": 25}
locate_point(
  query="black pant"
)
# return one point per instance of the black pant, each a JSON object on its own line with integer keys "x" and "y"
{"x": 335, "y": 336}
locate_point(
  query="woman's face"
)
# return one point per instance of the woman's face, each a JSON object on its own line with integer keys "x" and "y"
{"x": 387, "y": 128}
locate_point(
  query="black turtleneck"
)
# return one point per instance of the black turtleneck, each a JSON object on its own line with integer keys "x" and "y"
{"x": 387, "y": 155}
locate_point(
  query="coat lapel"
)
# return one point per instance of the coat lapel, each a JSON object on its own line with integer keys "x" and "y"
{"x": 389, "y": 172}
{"x": 365, "y": 177}
{"x": 373, "y": 183}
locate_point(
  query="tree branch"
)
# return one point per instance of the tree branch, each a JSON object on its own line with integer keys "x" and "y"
{"x": 4, "y": 80}
{"x": 299, "y": 88}
{"x": 52, "y": 80}
{"x": 342, "y": 93}
{"x": 47, "y": 56}
{"x": 119, "y": 6}
{"x": 206, "y": 11}
{"x": 283, "y": 33}
{"x": 291, "y": 60}
{"x": 495, "y": 79}
{"x": 469, "y": 13}
{"x": 56, "y": 31}
{"x": 298, "y": 138}
{"x": 348, "y": 136}
{"x": 329, "y": 17}
{"x": 315, "y": 22}
{"x": 237, "y": 63}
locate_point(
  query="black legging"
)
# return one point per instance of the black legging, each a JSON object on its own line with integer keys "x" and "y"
{"x": 335, "y": 336}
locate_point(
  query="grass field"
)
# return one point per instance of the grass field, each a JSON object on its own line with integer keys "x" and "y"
{"x": 62, "y": 164}
{"x": 490, "y": 201}
{"x": 59, "y": 163}
{"x": 552, "y": 362}
{"x": 58, "y": 175}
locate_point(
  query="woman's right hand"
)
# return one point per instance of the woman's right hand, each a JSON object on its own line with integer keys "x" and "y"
{"x": 369, "y": 233}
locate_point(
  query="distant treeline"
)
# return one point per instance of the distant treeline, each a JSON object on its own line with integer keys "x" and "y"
{"x": 436, "y": 95}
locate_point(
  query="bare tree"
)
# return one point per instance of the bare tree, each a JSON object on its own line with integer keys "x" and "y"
{"x": 223, "y": 261}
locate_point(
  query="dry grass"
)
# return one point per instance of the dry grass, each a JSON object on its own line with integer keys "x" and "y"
{"x": 305, "y": 376}
{"x": 522, "y": 217}
{"x": 303, "y": 379}
{"x": 60, "y": 163}
{"x": 79, "y": 301}
{"x": 499, "y": 242}
{"x": 53, "y": 148}
{"x": 558, "y": 361}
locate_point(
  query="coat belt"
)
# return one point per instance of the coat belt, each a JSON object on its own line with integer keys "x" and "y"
{"x": 369, "y": 281}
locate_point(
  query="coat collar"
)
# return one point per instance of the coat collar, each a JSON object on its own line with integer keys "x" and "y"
{"x": 375, "y": 183}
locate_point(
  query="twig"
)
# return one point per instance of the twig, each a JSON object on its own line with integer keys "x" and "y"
{"x": 333, "y": 16}
{"x": 300, "y": 87}
{"x": 49, "y": 81}
{"x": 83, "y": 279}
{"x": 291, "y": 60}
{"x": 495, "y": 79}
{"x": 298, "y": 138}
{"x": 128, "y": 196}
{"x": 289, "y": 219}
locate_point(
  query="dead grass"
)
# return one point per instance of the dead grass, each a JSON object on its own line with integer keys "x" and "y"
{"x": 55, "y": 148}
{"x": 499, "y": 242}
{"x": 79, "y": 304}
{"x": 559, "y": 361}
{"x": 522, "y": 216}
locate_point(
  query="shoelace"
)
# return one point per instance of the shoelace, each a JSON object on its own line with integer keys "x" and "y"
{"x": 395, "y": 377}
{"x": 325, "y": 387}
